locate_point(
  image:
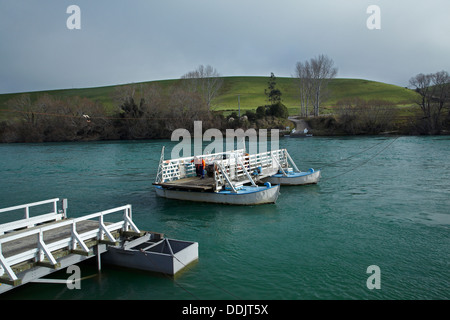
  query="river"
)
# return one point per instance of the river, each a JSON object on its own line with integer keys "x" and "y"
{"x": 382, "y": 201}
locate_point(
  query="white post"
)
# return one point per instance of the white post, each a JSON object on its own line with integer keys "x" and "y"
{"x": 99, "y": 261}
{"x": 55, "y": 207}
{"x": 64, "y": 205}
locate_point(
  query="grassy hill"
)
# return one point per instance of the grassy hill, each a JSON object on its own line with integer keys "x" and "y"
{"x": 251, "y": 92}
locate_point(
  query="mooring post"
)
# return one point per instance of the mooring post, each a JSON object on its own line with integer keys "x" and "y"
{"x": 64, "y": 207}
{"x": 99, "y": 261}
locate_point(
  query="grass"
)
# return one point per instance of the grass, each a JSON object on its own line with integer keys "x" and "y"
{"x": 251, "y": 92}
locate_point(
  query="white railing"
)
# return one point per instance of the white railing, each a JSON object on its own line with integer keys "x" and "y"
{"x": 180, "y": 168}
{"x": 264, "y": 164}
{"x": 72, "y": 241}
{"x": 29, "y": 221}
{"x": 231, "y": 168}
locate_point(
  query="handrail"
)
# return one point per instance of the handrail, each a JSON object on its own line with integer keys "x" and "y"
{"x": 45, "y": 249}
{"x": 226, "y": 177}
{"x": 29, "y": 205}
{"x": 27, "y": 221}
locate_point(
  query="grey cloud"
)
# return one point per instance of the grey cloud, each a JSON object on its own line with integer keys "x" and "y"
{"x": 137, "y": 40}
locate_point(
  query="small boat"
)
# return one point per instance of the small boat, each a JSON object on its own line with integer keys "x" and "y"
{"x": 245, "y": 195}
{"x": 295, "y": 178}
{"x": 287, "y": 172}
{"x": 228, "y": 179}
{"x": 299, "y": 134}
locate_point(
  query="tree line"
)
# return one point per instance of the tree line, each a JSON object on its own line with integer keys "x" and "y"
{"x": 358, "y": 116}
{"x": 149, "y": 111}
{"x": 141, "y": 111}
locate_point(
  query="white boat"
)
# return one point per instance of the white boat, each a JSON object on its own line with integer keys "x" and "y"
{"x": 299, "y": 134}
{"x": 295, "y": 178}
{"x": 287, "y": 172}
{"x": 228, "y": 179}
{"x": 246, "y": 195}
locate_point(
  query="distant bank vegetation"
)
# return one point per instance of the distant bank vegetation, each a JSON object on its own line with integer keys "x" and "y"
{"x": 139, "y": 111}
{"x": 153, "y": 110}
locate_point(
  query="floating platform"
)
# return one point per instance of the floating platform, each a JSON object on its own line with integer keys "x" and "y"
{"x": 38, "y": 245}
{"x": 168, "y": 256}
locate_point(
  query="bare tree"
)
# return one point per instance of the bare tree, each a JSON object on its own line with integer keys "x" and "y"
{"x": 205, "y": 81}
{"x": 23, "y": 106}
{"x": 322, "y": 72}
{"x": 303, "y": 74}
{"x": 123, "y": 93}
{"x": 441, "y": 89}
{"x": 314, "y": 76}
{"x": 434, "y": 95}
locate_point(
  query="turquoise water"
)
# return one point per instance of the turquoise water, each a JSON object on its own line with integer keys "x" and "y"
{"x": 382, "y": 201}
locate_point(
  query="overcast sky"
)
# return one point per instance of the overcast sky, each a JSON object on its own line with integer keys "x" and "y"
{"x": 143, "y": 40}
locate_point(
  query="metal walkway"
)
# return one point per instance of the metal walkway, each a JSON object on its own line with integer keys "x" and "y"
{"x": 36, "y": 246}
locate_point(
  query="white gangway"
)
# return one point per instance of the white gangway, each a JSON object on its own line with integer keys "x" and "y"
{"x": 42, "y": 243}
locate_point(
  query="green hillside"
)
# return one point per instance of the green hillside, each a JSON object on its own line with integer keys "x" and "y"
{"x": 251, "y": 92}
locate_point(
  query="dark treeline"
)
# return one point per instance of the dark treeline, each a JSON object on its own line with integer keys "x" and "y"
{"x": 142, "y": 111}
{"x": 149, "y": 111}
{"x": 54, "y": 119}
{"x": 358, "y": 116}
{"x": 434, "y": 101}
{"x": 369, "y": 117}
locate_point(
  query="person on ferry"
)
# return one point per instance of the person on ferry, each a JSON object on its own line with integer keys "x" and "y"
{"x": 202, "y": 168}
{"x": 197, "y": 162}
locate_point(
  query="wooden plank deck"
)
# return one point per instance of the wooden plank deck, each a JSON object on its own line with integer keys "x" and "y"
{"x": 15, "y": 247}
{"x": 191, "y": 183}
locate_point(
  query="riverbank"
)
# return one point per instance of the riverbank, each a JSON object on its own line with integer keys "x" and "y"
{"x": 154, "y": 110}
{"x": 330, "y": 125}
